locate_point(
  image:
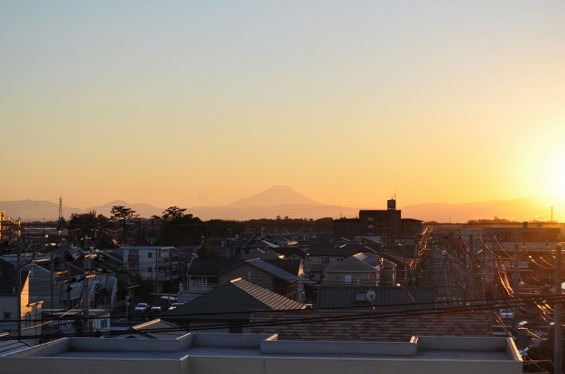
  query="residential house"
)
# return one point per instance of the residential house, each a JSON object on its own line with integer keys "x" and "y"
{"x": 73, "y": 321}
{"x": 59, "y": 283}
{"x": 18, "y": 314}
{"x": 239, "y": 246}
{"x": 269, "y": 274}
{"x": 282, "y": 276}
{"x": 203, "y": 274}
{"x": 319, "y": 258}
{"x": 400, "y": 263}
{"x": 228, "y": 308}
{"x": 47, "y": 285}
{"x": 292, "y": 253}
{"x": 359, "y": 269}
{"x": 158, "y": 265}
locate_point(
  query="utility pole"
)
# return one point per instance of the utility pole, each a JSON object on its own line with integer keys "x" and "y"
{"x": 87, "y": 323}
{"x": 52, "y": 286}
{"x": 19, "y": 290}
{"x": 471, "y": 270}
{"x": 557, "y": 347}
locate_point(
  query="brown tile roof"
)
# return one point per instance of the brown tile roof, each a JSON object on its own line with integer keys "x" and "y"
{"x": 234, "y": 300}
{"x": 363, "y": 325}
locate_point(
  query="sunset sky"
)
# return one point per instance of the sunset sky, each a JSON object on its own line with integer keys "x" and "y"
{"x": 348, "y": 102}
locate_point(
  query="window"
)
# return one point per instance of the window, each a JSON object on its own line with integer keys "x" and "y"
{"x": 325, "y": 260}
{"x": 348, "y": 278}
{"x": 149, "y": 255}
{"x": 7, "y": 315}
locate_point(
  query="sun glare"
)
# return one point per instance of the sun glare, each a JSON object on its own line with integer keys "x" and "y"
{"x": 544, "y": 168}
{"x": 555, "y": 175}
{"x": 551, "y": 165}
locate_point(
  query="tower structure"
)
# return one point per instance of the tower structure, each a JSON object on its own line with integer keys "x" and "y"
{"x": 60, "y": 220}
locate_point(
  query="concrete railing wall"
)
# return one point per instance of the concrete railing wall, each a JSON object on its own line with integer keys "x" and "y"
{"x": 48, "y": 349}
{"x": 230, "y": 340}
{"x": 329, "y": 347}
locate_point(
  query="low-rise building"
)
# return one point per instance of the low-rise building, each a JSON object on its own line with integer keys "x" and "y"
{"x": 10, "y": 229}
{"x": 158, "y": 265}
{"x": 18, "y": 314}
{"x": 200, "y": 353}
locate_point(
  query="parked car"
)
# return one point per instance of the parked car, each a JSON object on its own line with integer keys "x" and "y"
{"x": 141, "y": 308}
{"x": 155, "y": 311}
{"x": 175, "y": 305}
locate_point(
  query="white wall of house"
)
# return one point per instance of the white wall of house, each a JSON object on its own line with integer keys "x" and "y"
{"x": 154, "y": 264}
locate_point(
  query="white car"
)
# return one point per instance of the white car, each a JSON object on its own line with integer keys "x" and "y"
{"x": 175, "y": 305}
{"x": 141, "y": 308}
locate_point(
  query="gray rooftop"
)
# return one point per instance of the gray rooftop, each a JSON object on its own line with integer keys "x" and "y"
{"x": 193, "y": 349}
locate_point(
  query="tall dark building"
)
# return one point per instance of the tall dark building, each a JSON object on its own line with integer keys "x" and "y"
{"x": 381, "y": 222}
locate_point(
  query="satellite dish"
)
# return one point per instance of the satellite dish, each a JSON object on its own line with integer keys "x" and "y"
{"x": 371, "y": 296}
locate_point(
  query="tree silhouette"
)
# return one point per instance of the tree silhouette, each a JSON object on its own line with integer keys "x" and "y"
{"x": 180, "y": 228}
{"x": 123, "y": 215}
{"x": 88, "y": 226}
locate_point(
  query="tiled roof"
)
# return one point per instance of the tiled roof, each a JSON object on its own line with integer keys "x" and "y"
{"x": 271, "y": 299}
{"x": 273, "y": 270}
{"x": 352, "y": 264}
{"x": 370, "y": 325}
{"x": 232, "y": 301}
{"x": 386, "y": 298}
{"x": 159, "y": 329}
{"x": 331, "y": 251}
{"x": 290, "y": 266}
{"x": 244, "y": 240}
{"x": 289, "y": 251}
{"x": 211, "y": 267}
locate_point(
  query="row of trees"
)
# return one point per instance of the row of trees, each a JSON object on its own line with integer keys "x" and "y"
{"x": 173, "y": 227}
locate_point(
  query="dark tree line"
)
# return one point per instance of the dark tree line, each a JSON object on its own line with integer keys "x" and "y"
{"x": 124, "y": 226}
{"x": 173, "y": 227}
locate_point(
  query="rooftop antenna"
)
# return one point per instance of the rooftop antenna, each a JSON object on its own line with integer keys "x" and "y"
{"x": 551, "y": 214}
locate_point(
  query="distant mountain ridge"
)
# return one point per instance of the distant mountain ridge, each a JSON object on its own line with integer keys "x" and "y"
{"x": 274, "y": 196}
{"x": 283, "y": 201}
{"x": 277, "y": 201}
